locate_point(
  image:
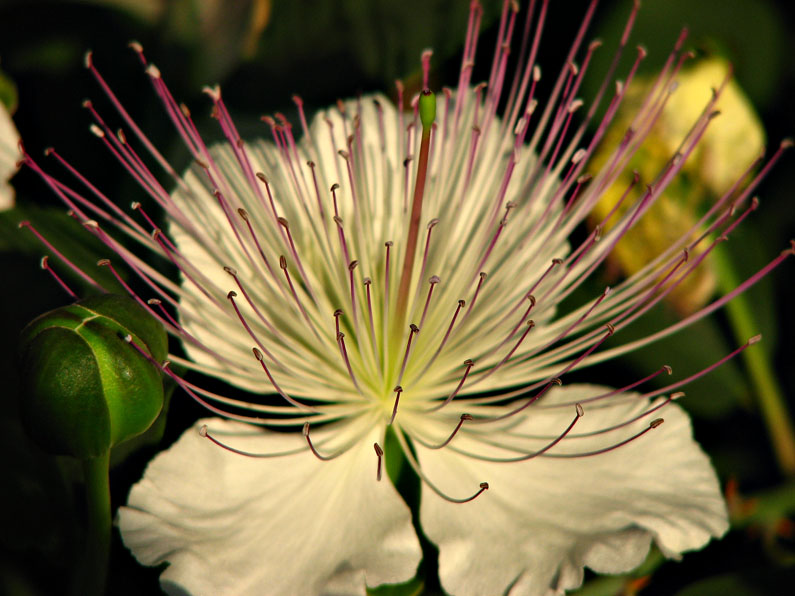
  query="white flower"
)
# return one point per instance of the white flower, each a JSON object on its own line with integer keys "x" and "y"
{"x": 297, "y": 250}
{"x": 9, "y": 157}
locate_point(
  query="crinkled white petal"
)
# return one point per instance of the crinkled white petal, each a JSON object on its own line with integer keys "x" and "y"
{"x": 9, "y": 156}
{"x": 233, "y": 525}
{"x": 543, "y": 520}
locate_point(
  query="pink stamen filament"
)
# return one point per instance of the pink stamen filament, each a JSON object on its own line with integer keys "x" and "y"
{"x": 543, "y": 451}
{"x": 204, "y": 432}
{"x": 652, "y": 425}
{"x": 418, "y": 470}
{"x": 44, "y": 263}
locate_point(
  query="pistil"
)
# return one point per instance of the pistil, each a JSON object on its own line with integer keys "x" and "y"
{"x": 427, "y": 110}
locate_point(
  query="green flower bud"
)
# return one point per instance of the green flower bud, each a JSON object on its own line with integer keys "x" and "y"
{"x": 84, "y": 388}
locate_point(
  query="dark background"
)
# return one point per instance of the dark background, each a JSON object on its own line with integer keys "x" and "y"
{"x": 324, "y": 51}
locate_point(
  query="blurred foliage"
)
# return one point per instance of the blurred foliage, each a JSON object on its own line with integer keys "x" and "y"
{"x": 8, "y": 93}
{"x": 263, "y": 51}
{"x": 730, "y": 145}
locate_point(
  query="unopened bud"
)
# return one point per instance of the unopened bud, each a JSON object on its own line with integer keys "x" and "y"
{"x": 84, "y": 387}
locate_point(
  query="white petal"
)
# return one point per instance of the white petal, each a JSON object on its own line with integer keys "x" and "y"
{"x": 543, "y": 520}
{"x": 9, "y": 156}
{"x": 235, "y": 525}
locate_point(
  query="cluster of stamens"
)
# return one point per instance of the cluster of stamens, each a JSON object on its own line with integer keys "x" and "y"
{"x": 405, "y": 269}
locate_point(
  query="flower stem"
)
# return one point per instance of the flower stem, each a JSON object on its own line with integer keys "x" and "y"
{"x": 769, "y": 395}
{"x": 91, "y": 576}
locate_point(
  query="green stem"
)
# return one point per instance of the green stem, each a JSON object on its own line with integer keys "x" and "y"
{"x": 763, "y": 377}
{"x": 90, "y": 579}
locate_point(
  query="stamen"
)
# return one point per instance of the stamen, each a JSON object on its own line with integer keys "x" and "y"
{"x": 413, "y": 331}
{"x": 652, "y": 425}
{"x": 159, "y": 303}
{"x": 283, "y": 222}
{"x": 431, "y": 225}
{"x": 663, "y": 369}
{"x": 398, "y": 390}
{"x": 388, "y": 244}
{"x": 45, "y": 260}
{"x": 482, "y": 277}
{"x": 664, "y": 402}
{"x": 367, "y": 283}
{"x": 503, "y": 222}
{"x": 351, "y": 266}
{"x": 204, "y": 432}
{"x": 165, "y": 367}
{"x": 344, "y": 353}
{"x": 469, "y": 364}
{"x": 461, "y": 420}
{"x": 315, "y": 452}
{"x": 311, "y": 165}
{"x": 283, "y": 266}
{"x": 26, "y": 224}
{"x": 418, "y": 470}
{"x": 579, "y": 413}
{"x": 487, "y": 373}
{"x": 245, "y": 217}
{"x": 258, "y": 355}
{"x": 461, "y": 304}
{"x": 379, "y": 453}
{"x": 251, "y": 302}
{"x": 432, "y": 282}
{"x": 704, "y": 371}
{"x": 262, "y": 178}
{"x": 337, "y": 314}
{"x": 231, "y": 295}
{"x": 473, "y": 143}
{"x": 185, "y": 267}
